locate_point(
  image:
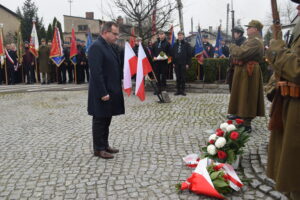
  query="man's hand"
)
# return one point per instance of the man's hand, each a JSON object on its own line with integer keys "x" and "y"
{"x": 105, "y": 98}
{"x": 173, "y": 65}
{"x": 186, "y": 66}
{"x": 154, "y": 58}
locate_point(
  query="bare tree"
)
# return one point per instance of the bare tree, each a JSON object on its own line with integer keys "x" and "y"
{"x": 141, "y": 11}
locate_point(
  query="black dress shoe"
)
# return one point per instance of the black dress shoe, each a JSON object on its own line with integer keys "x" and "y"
{"x": 177, "y": 93}
{"x": 112, "y": 150}
{"x": 103, "y": 154}
{"x": 183, "y": 93}
{"x": 232, "y": 117}
{"x": 248, "y": 129}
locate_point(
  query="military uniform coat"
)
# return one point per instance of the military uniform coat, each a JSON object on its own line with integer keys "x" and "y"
{"x": 246, "y": 99}
{"x": 284, "y": 146}
{"x": 44, "y": 53}
{"x": 105, "y": 79}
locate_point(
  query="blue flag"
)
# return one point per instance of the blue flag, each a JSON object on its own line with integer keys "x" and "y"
{"x": 199, "y": 49}
{"x": 88, "y": 42}
{"x": 218, "y": 47}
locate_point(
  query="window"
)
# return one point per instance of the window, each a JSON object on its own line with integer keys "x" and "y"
{"x": 82, "y": 27}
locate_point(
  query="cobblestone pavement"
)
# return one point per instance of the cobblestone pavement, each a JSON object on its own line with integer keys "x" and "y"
{"x": 46, "y": 149}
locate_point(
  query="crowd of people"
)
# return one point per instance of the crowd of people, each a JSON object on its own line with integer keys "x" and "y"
{"x": 42, "y": 69}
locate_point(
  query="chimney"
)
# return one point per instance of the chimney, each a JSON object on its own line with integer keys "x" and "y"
{"x": 89, "y": 15}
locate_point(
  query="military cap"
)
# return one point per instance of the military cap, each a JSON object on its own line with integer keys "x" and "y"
{"x": 138, "y": 39}
{"x": 296, "y": 1}
{"x": 43, "y": 40}
{"x": 238, "y": 29}
{"x": 255, "y": 24}
{"x": 180, "y": 32}
{"x": 205, "y": 36}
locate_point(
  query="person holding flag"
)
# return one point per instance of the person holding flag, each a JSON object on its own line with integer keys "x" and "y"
{"x": 199, "y": 52}
{"x": 218, "y": 46}
{"x": 2, "y": 53}
{"x": 105, "y": 96}
{"x": 12, "y": 63}
{"x": 56, "y": 53}
{"x": 28, "y": 64}
{"x": 34, "y": 48}
{"x": 73, "y": 53}
{"x": 182, "y": 59}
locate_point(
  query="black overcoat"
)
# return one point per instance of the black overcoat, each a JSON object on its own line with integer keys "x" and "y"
{"x": 105, "y": 78}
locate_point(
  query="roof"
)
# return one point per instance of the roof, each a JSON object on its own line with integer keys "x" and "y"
{"x": 83, "y": 18}
{"x": 9, "y": 11}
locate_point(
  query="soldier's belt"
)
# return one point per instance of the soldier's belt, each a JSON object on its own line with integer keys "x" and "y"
{"x": 289, "y": 89}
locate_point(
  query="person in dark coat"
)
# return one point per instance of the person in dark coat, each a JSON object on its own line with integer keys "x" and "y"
{"x": 225, "y": 49}
{"x": 182, "y": 59}
{"x": 62, "y": 69}
{"x": 28, "y": 64}
{"x": 11, "y": 63}
{"x": 105, "y": 96}
{"x": 81, "y": 62}
{"x": 160, "y": 66}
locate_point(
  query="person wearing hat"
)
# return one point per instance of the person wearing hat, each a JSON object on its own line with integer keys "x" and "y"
{"x": 283, "y": 163}
{"x": 43, "y": 60}
{"x": 161, "y": 48}
{"x": 238, "y": 39}
{"x": 246, "y": 99}
{"x": 28, "y": 64}
{"x": 182, "y": 59}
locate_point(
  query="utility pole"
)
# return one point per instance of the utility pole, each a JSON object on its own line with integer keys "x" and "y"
{"x": 192, "y": 25}
{"x": 227, "y": 20}
{"x": 232, "y": 16}
{"x": 179, "y": 3}
{"x": 70, "y": 1}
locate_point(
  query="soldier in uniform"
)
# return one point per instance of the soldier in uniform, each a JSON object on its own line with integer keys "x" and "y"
{"x": 44, "y": 66}
{"x": 283, "y": 163}
{"x": 239, "y": 39}
{"x": 28, "y": 63}
{"x": 182, "y": 59}
{"x": 62, "y": 69}
{"x": 81, "y": 62}
{"x": 246, "y": 99}
{"x": 161, "y": 46}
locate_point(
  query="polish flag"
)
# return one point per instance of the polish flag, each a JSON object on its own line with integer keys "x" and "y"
{"x": 34, "y": 42}
{"x": 143, "y": 68}
{"x": 200, "y": 182}
{"x": 130, "y": 64}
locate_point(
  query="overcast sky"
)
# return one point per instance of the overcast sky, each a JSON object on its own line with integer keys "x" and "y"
{"x": 204, "y": 12}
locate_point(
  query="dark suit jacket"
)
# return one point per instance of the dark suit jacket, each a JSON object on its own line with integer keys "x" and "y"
{"x": 105, "y": 78}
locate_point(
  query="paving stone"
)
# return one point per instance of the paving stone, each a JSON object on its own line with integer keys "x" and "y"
{"x": 265, "y": 188}
{"x": 48, "y": 154}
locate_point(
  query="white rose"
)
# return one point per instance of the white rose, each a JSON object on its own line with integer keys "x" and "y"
{"x": 230, "y": 128}
{"x": 211, "y": 149}
{"x": 212, "y": 137}
{"x": 224, "y": 126}
{"x": 221, "y": 141}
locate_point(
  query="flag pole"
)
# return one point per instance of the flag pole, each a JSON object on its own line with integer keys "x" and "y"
{"x": 6, "y": 79}
{"x": 75, "y": 73}
{"x": 36, "y": 71}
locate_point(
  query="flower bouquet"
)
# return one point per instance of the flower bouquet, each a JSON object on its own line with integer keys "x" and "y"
{"x": 227, "y": 142}
{"x": 212, "y": 179}
{"x": 162, "y": 56}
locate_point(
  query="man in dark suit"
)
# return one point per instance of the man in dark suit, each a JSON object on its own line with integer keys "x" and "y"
{"x": 105, "y": 97}
{"x": 182, "y": 59}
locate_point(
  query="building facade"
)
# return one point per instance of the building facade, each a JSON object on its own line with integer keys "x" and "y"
{"x": 11, "y": 23}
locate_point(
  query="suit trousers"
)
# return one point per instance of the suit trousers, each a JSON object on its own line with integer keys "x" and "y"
{"x": 180, "y": 71}
{"x": 100, "y": 130}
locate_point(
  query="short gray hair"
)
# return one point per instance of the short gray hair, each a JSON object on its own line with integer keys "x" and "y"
{"x": 106, "y": 27}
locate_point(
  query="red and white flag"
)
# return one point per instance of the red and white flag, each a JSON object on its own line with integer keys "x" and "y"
{"x": 200, "y": 182}
{"x": 143, "y": 68}
{"x": 34, "y": 42}
{"x": 130, "y": 65}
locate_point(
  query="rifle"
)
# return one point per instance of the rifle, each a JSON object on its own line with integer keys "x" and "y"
{"x": 276, "y": 122}
{"x": 276, "y": 19}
